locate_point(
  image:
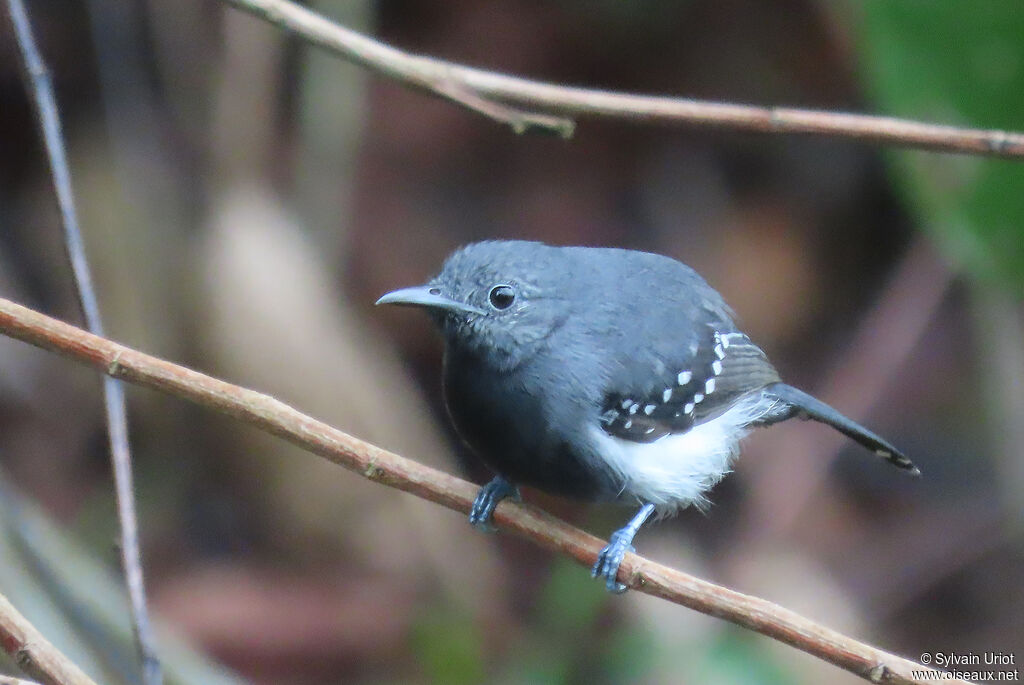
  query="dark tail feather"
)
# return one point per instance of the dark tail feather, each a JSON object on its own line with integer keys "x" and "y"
{"x": 812, "y": 408}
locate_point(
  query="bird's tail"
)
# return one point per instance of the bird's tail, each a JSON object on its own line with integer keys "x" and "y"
{"x": 809, "y": 407}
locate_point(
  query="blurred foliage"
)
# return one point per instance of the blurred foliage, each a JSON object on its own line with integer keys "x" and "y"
{"x": 448, "y": 647}
{"x": 628, "y": 655}
{"x": 451, "y": 650}
{"x": 570, "y": 642}
{"x": 739, "y": 657}
{"x": 79, "y": 603}
{"x": 560, "y": 637}
{"x": 961, "y": 63}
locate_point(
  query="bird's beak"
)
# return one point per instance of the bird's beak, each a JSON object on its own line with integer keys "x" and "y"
{"x": 427, "y": 296}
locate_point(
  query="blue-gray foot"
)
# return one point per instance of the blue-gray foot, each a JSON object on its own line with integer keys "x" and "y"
{"x": 488, "y": 498}
{"x": 621, "y": 541}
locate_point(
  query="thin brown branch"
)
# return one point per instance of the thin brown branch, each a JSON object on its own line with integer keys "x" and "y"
{"x": 404, "y": 474}
{"x": 33, "y": 653}
{"x": 40, "y": 88}
{"x": 470, "y": 87}
{"x": 519, "y": 120}
{"x": 425, "y": 74}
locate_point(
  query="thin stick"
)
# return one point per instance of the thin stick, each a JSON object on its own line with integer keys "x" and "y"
{"x": 38, "y": 83}
{"x": 33, "y": 653}
{"x": 404, "y": 474}
{"x": 470, "y": 87}
{"x": 425, "y": 74}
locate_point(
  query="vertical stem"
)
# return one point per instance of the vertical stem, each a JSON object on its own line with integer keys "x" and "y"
{"x": 39, "y": 83}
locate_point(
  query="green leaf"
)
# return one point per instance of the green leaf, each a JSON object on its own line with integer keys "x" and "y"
{"x": 959, "y": 63}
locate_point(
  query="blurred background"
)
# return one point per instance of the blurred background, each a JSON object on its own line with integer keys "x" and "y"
{"x": 245, "y": 199}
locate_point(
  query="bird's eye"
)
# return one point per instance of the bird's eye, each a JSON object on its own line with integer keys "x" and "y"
{"x": 502, "y": 296}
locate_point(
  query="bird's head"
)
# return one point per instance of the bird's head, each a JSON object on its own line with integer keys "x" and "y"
{"x": 499, "y": 300}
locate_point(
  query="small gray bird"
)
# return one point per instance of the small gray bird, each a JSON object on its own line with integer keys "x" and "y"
{"x": 603, "y": 374}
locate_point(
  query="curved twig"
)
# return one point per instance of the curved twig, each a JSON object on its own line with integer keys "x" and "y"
{"x": 40, "y": 87}
{"x": 404, "y": 474}
{"x": 489, "y": 92}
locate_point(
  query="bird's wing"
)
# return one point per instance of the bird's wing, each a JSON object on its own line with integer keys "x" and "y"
{"x": 691, "y": 385}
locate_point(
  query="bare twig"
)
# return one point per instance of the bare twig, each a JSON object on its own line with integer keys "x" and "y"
{"x": 473, "y": 87}
{"x": 33, "y": 653}
{"x": 38, "y": 83}
{"x": 404, "y": 474}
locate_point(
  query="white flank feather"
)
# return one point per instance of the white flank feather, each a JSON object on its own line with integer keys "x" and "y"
{"x": 676, "y": 470}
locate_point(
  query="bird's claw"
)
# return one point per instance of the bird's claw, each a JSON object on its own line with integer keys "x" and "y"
{"x": 608, "y": 561}
{"x": 487, "y": 499}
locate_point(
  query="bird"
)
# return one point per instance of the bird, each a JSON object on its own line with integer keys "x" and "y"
{"x": 604, "y": 375}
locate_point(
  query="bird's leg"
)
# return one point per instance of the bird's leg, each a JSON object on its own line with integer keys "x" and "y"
{"x": 488, "y": 498}
{"x": 607, "y": 565}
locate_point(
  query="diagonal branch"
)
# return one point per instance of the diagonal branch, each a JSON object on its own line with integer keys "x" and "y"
{"x": 404, "y": 474}
{"x": 40, "y": 87}
{"x": 472, "y": 88}
{"x": 33, "y": 653}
